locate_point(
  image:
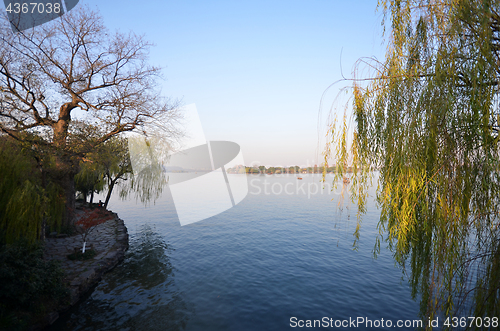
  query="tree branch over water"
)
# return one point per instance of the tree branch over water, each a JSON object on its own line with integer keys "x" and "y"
{"x": 428, "y": 119}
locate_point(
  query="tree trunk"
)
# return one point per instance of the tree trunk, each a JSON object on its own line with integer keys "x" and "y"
{"x": 110, "y": 189}
{"x": 66, "y": 165}
{"x": 44, "y": 186}
{"x": 67, "y": 182}
{"x": 91, "y": 198}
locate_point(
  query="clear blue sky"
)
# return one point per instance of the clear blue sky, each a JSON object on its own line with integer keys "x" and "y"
{"x": 256, "y": 70}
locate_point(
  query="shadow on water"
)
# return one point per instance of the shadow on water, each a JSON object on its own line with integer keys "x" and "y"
{"x": 139, "y": 294}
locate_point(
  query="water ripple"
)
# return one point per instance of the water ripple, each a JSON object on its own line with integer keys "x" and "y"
{"x": 250, "y": 268}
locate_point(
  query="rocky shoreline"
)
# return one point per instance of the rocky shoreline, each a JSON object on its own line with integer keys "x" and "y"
{"x": 109, "y": 240}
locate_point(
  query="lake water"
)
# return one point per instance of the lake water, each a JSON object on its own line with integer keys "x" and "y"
{"x": 274, "y": 256}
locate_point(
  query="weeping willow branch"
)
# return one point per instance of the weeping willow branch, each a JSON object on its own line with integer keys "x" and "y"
{"x": 428, "y": 122}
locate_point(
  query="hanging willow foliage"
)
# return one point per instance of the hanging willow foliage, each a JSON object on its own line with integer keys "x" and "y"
{"x": 25, "y": 204}
{"x": 429, "y": 121}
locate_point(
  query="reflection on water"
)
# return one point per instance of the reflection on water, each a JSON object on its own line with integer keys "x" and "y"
{"x": 140, "y": 293}
{"x": 285, "y": 251}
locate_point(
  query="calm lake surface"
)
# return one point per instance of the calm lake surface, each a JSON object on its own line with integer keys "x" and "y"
{"x": 274, "y": 256}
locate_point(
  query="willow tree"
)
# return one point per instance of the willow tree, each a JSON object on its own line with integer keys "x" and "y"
{"x": 89, "y": 179}
{"x": 73, "y": 67}
{"x": 429, "y": 121}
{"x": 117, "y": 165}
{"x": 104, "y": 168}
{"x": 28, "y": 202}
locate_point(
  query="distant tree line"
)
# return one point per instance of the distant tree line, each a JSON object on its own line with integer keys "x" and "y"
{"x": 240, "y": 169}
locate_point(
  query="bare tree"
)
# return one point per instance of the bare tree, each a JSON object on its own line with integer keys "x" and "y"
{"x": 73, "y": 67}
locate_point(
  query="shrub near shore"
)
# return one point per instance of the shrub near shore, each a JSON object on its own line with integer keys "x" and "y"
{"x": 29, "y": 286}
